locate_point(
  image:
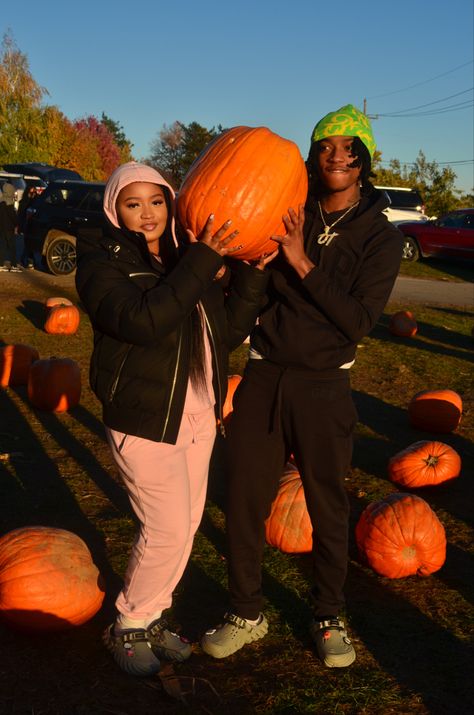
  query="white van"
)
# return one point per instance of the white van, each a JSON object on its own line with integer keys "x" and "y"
{"x": 405, "y": 204}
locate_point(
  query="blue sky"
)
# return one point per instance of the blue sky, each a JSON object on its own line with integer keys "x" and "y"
{"x": 281, "y": 64}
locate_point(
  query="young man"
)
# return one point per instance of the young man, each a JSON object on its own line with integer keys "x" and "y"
{"x": 337, "y": 265}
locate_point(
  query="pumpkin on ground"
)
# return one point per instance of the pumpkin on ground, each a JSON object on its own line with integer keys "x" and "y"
{"x": 251, "y": 176}
{"x": 423, "y": 464}
{"x": 54, "y": 301}
{"x": 403, "y": 324}
{"x": 227, "y": 409}
{"x": 400, "y": 536}
{"x": 289, "y": 527}
{"x": 54, "y": 384}
{"x": 48, "y": 580}
{"x": 62, "y": 320}
{"x": 15, "y": 363}
{"x": 435, "y": 410}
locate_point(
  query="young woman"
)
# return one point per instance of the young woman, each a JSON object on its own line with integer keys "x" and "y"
{"x": 334, "y": 274}
{"x": 163, "y": 327}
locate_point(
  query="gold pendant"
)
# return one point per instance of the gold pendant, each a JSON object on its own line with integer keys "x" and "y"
{"x": 325, "y": 238}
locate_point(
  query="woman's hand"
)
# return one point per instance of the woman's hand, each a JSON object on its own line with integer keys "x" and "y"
{"x": 218, "y": 241}
{"x": 292, "y": 243}
{"x": 264, "y": 259}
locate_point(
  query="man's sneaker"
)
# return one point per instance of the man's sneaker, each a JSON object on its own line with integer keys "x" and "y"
{"x": 232, "y": 635}
{"x": 4, "y": 268}
{"x": 16, "y": 269}
{"x": 166, "y": 644}
{"x": 132, "y": 651}
{"x": 333, "y": 645}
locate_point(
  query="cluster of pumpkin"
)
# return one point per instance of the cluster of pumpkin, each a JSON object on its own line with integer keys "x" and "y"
{"x": 399, "y": 535}
{"x": 53, "y": 384}
{"x": 48, "y": 580}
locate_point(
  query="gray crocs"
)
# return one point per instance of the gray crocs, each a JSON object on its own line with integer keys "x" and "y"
{"x": 232, "y": 635}
{"x": 333, "y": 645}
{"x": 166, "y": 644}
{"x": 132, "y": 651}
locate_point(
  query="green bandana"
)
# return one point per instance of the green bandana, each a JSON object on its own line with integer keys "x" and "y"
{"x": 347, "y": 121}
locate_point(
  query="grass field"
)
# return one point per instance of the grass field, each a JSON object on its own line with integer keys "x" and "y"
{"x": 412, "y": 635}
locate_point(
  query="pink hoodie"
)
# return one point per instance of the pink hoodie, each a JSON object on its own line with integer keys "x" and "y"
{"x": 128, "y": 174}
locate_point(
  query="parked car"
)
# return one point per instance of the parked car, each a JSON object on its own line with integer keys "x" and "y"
{"x": 55, "y": 217}
{"x": 46, "y": 172}
{"x": 405, "y": 204}
{"x": 450, "y": 236}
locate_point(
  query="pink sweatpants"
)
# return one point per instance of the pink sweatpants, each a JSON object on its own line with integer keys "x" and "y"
{"x": 167, "y": 489}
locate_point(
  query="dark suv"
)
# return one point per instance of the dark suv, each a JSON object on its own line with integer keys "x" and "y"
{"x": 55, "y": 218}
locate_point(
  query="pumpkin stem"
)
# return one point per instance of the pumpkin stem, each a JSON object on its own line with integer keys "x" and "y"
{"x": 431, "y": 460}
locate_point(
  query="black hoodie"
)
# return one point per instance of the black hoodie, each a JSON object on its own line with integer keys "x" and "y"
{"x": 316, "y": 323}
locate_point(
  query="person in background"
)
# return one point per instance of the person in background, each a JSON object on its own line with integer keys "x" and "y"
{"x": 29, "y": 194}
{"x": 8, "y": 229}
{"x": 163, "y": 326}
{"x": 335, "y": 271}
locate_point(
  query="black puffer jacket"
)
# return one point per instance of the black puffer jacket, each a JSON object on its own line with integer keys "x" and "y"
{"x": 316, "y": 323}
{"x": 141, "y": 317}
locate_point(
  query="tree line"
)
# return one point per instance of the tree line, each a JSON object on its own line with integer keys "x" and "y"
{"x": 32, "y": 130}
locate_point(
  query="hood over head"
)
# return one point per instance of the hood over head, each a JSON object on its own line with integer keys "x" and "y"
{"x": 127, "y": 174}
{"x": 348, "y": 121}
{"x": 8, "y": 193}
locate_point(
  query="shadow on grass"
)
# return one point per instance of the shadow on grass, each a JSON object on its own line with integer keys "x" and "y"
{"x": 463, "y": 343}
{"x": 437, "y": 266}
{"x": 420, "y": 654}
{"x": 32, "y": 490}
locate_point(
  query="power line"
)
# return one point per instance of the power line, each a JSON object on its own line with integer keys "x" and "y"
{"x": 431, "y": 113}
{"x": 418, "y": 84}
{"x": 427, "y": 104}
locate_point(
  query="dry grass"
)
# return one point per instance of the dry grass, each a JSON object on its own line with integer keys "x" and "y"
{"x": 411, "y": 635}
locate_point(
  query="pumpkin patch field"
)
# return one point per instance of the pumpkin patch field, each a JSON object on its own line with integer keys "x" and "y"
{"x": 412, "y": 633}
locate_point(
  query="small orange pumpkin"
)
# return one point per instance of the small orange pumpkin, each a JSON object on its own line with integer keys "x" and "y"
{"x": 423, "y": 464}
{"x": 403, "y": 324}
{"x": 54, "y": 384}
{"x": 251, "y": 176}
{"x": 401, "y": 535}
{"x": 54, "y": 301}
{"x": 62, "y": 320}
{"x": 232, "y": 384}
{"x": 435, "y": 410}
{"x": 15, "y": 363}
{"x": 288, "y": 527}
{"x": 48, "y": 581}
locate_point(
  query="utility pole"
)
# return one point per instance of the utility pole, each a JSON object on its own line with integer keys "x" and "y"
{"x": 370, "y": 116}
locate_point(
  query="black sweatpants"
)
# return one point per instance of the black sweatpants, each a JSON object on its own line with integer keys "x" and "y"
{"x": 277, "y": 412}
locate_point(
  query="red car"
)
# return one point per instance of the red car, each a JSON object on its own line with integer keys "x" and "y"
{"x": 450, "y": 236}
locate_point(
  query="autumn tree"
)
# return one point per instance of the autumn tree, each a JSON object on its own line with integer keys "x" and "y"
{"x": 177, "y": 146}
{"x": 20, "y": 105}
{"x": 105, "y": 153}
{"x": 125, "y": 145}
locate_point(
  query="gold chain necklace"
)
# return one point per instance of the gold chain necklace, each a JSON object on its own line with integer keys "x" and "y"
{"x": 325, "y": 238}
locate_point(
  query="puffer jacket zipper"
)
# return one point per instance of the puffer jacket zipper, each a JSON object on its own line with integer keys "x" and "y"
{"x": 213, "y": 343}
{"x": 173, "y": 386}
{"x": 115, "y": 383}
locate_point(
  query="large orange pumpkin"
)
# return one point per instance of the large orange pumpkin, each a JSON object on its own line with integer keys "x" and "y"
{"x": 423, "y": 464}
{"x": 54, "y": 384}
{"x": 15, "y": 363}
{"x": 403, "y": 324}
{"x": 62, "y": 319}
{"x": 401, "y": 536}
{"x": 48, "y": 580}
{"x": 227, "y": 409}
{"x": 289, "y": 527}
{"x": 435, "y": 410}
{"x": 251, "y": 176}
